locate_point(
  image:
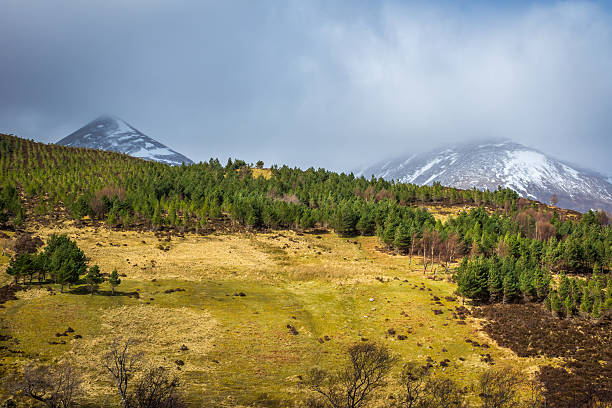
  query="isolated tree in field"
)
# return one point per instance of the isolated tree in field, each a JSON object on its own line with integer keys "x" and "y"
{"x": 55, "y": 386}
{"x": 114, "y": 280}
{"x": 260, "y": 164}
{"x": 352, "y": 387}
{"x": 121, "y": 363}
{"x": 93, "y": 278}
{"x": 156, "y": 388}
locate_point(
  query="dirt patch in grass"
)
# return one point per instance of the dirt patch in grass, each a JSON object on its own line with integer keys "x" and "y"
{"x": 584, "y": 345}
{"x": 33, "y": 293}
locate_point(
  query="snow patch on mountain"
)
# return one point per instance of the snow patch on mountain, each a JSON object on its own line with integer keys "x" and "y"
{"x": 529, "y": 172}
{"x": 111, "y": 133}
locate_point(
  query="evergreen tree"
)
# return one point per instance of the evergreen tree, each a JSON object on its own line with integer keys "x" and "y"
{"x": 511, "y": 287}
{"x": 565, "y": 287}
{"x": 586, "y": 303}
{"x": 366, "y": 224}
{"x": 568, "y": 305}
{"x": 472, "y": 279}
{"x": 495, "y": 281}
{"x": 402, "y": 238}
{"x": 93, "y": 278}
{"x": 596, "y": 312}
{"x": 555, "y": 304}
{"x": 114, "y": 280}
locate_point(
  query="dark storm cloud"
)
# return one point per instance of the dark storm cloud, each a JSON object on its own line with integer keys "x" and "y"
{"x": 332, "y": 84}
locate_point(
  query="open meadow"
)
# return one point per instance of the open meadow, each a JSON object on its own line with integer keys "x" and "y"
{"x": 241, "y": 317}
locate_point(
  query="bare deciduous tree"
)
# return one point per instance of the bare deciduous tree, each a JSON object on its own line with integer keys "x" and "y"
{"x": 369, "y": 364}
{"x": 156, "y": 389}
{"x": 55, "y": 386}
{"x": 413, "y": 381}
{"x": 498, "y": 388}
{"x": 443, "y": 393}
{"x": 122, "y": 364}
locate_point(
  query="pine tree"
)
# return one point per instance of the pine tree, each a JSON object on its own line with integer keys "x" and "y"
{"x": 114, "y": 280}
{"x": 366, "y": 224}
{"x": 586, "y": 303}
{"x": 548, "y": 302}
{"x": 568, "y": 305}
{"x": 555, "y": 304}
{"x": 495, "y": 282}
{"x": 596, "y": 312}
{"x": 93, "y": 278}
{"x": 472, "y": 279}
{"x": 402, "y": 238}
{"x": 564, "y": 286}
{"x": 511, "y": 287}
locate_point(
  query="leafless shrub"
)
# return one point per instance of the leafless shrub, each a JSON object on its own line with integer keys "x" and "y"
{"x": 443, "y": 393}
{"x": 55, "y": 386}
{"x": 498, "y": 388}
{"x": 156, "y": 389}
{"x": 368, "y": 366}
{"x": 413, "y": 381}
{"x": 25, "y": 243}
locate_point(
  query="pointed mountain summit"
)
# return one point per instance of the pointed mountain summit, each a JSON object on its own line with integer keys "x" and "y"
{"x": 486, "y": 165}
{"x": 111, "y": 133}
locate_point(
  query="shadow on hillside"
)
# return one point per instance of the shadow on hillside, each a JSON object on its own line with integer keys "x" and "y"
{"x": 84, "y": 290}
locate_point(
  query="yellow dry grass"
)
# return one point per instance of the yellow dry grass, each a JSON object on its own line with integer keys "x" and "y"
{"x": 240, "y": 349}
{"x": 156, "y": 332}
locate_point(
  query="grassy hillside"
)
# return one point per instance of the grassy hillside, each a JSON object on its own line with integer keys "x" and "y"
{"x": 262, "y": 274}
{"x": 239, "y": 348}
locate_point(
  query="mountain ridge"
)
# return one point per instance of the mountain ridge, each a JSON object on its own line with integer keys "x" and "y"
{"x": 489, "y": 164}
{"x": 108, "y": 132}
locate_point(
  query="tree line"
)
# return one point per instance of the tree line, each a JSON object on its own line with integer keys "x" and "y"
{"x": 62, "y": 261}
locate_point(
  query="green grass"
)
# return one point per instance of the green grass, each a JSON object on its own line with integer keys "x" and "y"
{"x": 249, "y": 356}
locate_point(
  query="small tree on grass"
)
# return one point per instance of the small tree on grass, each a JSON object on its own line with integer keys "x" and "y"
{"x": 114, "y": 280}
{"x": 93, "y": 278}
{"x": 67, "y": 274}
{"x": 367, "y": 369}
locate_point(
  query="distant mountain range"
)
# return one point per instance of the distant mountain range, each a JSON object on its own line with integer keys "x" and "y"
{"x": 487, "y": 165}
{"x": 111, "y": 133}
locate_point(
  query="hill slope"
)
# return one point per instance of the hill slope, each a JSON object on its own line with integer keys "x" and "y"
{"x": 487, "y": 165}
{"x": 111, "y": 133}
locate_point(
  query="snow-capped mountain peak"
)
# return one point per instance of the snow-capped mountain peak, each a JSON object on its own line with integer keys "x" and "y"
{"x": 529, "y": 172}
{"x": 112, "y": 133}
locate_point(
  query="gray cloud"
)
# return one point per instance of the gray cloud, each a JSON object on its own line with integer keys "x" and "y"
{"x": 331, "y": 84}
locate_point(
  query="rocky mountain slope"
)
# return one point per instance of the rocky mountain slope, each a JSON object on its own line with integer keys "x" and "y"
{"x": 111, "y": 133}
{"x": 487, "y": 165}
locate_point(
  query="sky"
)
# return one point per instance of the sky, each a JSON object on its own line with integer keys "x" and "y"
{"x": 334, "y": 84}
